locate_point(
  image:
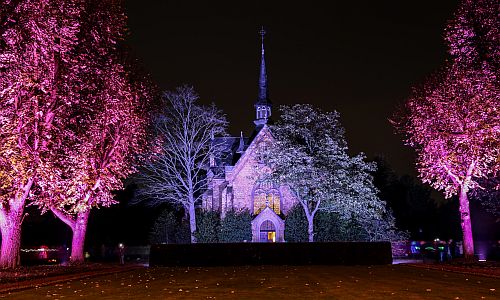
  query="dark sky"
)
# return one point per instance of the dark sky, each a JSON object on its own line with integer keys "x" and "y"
{"x": 357, "y": 57}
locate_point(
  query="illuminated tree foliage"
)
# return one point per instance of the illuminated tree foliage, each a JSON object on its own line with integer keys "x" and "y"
{"x": 72, "y": 115}
{"x": 175, "y": 171}
{"x": 109, "y": 131}
{"x": 104, "y": 153}
{"x": 309, "y": 155}
{"x": 452, "y": 120}
{"x": 37, "y": 63}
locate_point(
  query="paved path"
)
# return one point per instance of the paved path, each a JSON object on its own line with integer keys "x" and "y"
{"x": 486, "y": 270}
{"x": 7, "y": 288}
{"x": 273, "y": 282}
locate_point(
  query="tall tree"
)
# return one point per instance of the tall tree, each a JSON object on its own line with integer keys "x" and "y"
{"x": 175, "y": 171}
{"x": 452, "y": 120}
{"x": 38, "y": 40}
{"x": 309, "y": 155}
{"x": 104, "y": 153}
{"x": 71, "y": 116}
{"x": 108, "y": 127}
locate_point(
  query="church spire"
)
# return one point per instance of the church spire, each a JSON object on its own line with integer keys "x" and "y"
{"x": 241, "y": 147}
{"x": 263, "y": 93}
{"x": 263, "y": 104}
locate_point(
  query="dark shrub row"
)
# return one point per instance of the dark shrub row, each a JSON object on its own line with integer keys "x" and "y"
{"x": 224, "y": 254}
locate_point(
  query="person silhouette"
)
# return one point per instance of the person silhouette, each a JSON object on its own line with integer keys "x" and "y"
{"x": 121, "y": 253}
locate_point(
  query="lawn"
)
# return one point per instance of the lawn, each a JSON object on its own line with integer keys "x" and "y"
{"x": 274, "y": 282}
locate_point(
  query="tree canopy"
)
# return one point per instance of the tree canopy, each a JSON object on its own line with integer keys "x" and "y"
{"x": 310, "y": 156}
{"x": 452, "y": 120}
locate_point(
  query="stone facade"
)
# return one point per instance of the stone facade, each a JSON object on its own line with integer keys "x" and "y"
{"x": 241, "y": 186}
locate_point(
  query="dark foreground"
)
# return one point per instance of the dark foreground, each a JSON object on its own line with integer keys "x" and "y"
{"x": 274, "y": 282}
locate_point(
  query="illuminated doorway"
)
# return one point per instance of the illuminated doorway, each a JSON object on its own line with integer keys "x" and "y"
{"x": 267, "y": 232}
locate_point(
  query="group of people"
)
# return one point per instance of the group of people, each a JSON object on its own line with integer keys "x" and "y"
{"x": 441, "y": 250}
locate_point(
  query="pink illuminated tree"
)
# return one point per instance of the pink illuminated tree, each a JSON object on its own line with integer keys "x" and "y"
{"x": 37, "y": 42}
{"x": 109, "y": 130}
{"x": 104, "y": 153}
{"x": 71, "y": 115}
{"x": 453, "y": 119}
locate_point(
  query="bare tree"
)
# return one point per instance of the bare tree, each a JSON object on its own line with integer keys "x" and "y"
{"x": 176, "y": 171}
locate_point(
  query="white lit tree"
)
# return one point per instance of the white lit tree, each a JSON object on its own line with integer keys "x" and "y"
{"x": 309, "y": 155}
{"x": 175, "y": 171}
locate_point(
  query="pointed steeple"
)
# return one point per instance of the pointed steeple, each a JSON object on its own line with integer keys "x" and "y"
{"x": 241, "y": 147}
{"x": 263, "y": 104}
{"x": 263, "y": 93}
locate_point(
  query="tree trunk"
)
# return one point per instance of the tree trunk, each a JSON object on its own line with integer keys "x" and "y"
{"x": 310, "y": 218}
{"x": 78, "y": 228}
{"x": 310, "y": 228}
{"x": 11, "y": 220}
{"x": 465, "y": 221}
{"x": 192, "y": 222}
{"x": 11, "y": 238}
{"x": 78, "y": 241}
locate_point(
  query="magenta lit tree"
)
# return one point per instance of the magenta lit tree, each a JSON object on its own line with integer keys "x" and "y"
{"x": 453, "y": 119}
{"x": 104, "y": 154}
{"x": 37, "y": 42}
{"x": 108, "y": 130}
{"x": 71, "y": 115}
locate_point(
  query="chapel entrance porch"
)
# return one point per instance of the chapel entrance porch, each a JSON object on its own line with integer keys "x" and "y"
{"x": 268, "y": 227}
{"x": 267, "y": 232}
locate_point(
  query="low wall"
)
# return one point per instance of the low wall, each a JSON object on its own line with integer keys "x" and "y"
{"x": 224, "y": 254}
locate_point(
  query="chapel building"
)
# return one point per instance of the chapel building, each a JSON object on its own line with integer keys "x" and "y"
{"x": 238, "y": 177}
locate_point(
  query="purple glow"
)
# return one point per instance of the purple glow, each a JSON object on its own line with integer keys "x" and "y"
{"x": 452, "y": 121}
{"x": 73, "y": 116}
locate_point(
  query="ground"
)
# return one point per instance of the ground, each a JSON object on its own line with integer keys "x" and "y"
{"x": 273, "y": 282}
{"x": 32, "y": 273}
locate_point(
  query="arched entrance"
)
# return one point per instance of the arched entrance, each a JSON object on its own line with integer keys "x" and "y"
{"x": 267, "y": 232}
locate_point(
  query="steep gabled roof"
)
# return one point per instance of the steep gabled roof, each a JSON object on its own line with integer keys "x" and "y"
{"x": 230, "y": 154}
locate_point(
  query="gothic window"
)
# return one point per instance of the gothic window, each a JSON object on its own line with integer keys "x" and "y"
{"x": 266, "y": 194}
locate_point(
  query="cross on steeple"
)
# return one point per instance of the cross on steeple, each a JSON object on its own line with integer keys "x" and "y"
{"x": 262, "y": 34}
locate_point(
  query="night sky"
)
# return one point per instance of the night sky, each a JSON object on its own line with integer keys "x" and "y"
{"x": 357, "y": 58}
